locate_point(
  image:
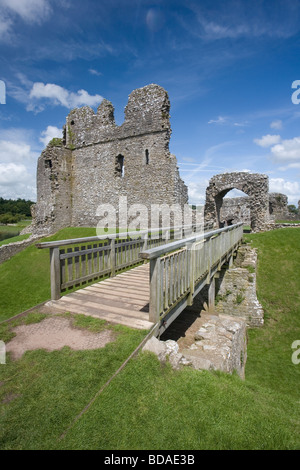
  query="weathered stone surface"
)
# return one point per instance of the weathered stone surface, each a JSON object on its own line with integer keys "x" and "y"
{"x": 256, "y": 186}
{"x": 98, "y": 162}
{"x": 278, "y": 206}
{"x": 220, "y": 344}
{"x": 155, "y": 346}
{"x": 237, "y": 289}
{"x": 236, "y": 210}
{"x": 166, "y": 351}
{"x": 11, "y": 249}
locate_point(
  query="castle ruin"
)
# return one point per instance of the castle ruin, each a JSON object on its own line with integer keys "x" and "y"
{"x": 97, "y": 162}
{"x": 255, "y": 185}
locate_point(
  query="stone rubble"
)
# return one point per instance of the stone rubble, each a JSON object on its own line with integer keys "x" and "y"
{"x": 220, "y": 344}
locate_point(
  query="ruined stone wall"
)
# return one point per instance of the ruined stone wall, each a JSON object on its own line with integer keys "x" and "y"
{"x": 236, "y": 210}
{"x": 239, "y": 209}
{"x": 54, "y": 193}
{"x": 98, "y": 162}
{"x": 278, "y": 206}
{"x": 255, "y": 185}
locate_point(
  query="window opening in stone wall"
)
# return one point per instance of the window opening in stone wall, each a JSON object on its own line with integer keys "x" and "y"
{"x": 48, "y": 164}
{"x": 119, "y": 169}
{"x": 147, "y": 156}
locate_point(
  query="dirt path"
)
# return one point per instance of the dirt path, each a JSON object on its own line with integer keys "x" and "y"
{"x": 54, "y": 333}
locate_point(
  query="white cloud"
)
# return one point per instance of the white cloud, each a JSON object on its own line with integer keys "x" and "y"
{"x": 268, "y": 140}
{"x": 289, "y": 188}
{"x": 58, "y": 95}
{"x": 16, "y": 181}
{"x": 17, "y": 164}
{"x": 287, "y": 151}
{"x": 9, "y": 149}
{"x": 50, "y": 133}
{"x": 13, "y": 151}
{"x": 13, "y": 173}
{"x": 197, "y": 191}
{"x": 31, "y": 11}
{"x": 276, "y": 124}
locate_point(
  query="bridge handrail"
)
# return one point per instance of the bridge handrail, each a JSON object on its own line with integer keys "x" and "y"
{"x": 110, "y": 236}
{"x": 72, "y": 264}
{"x": 168, "y": 247}
{"x": 180, "y": 269}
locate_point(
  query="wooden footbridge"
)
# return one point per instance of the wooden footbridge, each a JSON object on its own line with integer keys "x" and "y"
{"x": 138, "y": 280}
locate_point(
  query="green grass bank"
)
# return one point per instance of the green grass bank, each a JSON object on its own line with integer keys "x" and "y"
{"x": 149, "y": 405}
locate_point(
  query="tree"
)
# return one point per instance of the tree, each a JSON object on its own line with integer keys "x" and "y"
{"x": 293, "y": 209}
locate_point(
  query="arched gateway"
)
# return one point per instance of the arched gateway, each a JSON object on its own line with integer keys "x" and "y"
{"x": 255, "y": 185}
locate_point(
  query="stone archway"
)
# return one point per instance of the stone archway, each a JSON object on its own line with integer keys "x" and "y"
{"x": 255, "y": 185}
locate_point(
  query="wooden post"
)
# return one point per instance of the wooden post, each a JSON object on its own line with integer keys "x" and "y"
{"x": 211, "y": 295}
{"x": 113, "y": 257}
{"x": 145, "y": 245}
{"x": 191, "y": 264}
{"x": 154, "y": 306}
{"x": 55, "y": 273}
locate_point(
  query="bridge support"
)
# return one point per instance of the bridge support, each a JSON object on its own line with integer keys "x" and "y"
{"x": 212, "y": 295}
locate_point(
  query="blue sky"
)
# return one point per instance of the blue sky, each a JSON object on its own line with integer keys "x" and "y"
{"x": 228, "y": 67}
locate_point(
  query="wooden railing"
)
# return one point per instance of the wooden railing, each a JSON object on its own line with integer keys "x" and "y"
{"x": 81, "y": 260}
{"x": 179, "y": 270}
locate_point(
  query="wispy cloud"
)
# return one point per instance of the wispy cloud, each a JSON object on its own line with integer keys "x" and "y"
{"x": 95, "y": 72}
{"x": 276, "y": 124}
{"x": 219, "y": 120}
{"x": 222, "y": 120}
{"x": 5, "y": 28}
{"x": 247, "y": 19}
{"x": 31, "y": 11}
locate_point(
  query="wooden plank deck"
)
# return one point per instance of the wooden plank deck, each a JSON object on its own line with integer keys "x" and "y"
{"x": 123, "y": 299}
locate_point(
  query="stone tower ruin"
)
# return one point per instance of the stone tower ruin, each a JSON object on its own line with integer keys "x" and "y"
{"x": 97, "y": 162}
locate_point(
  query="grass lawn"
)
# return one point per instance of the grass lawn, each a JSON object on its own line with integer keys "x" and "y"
{"x": 25, "y": 278}
{"x": 149, "y": 405}
{"x": 6, "y": 232}
{"x": 17, "y": 238}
